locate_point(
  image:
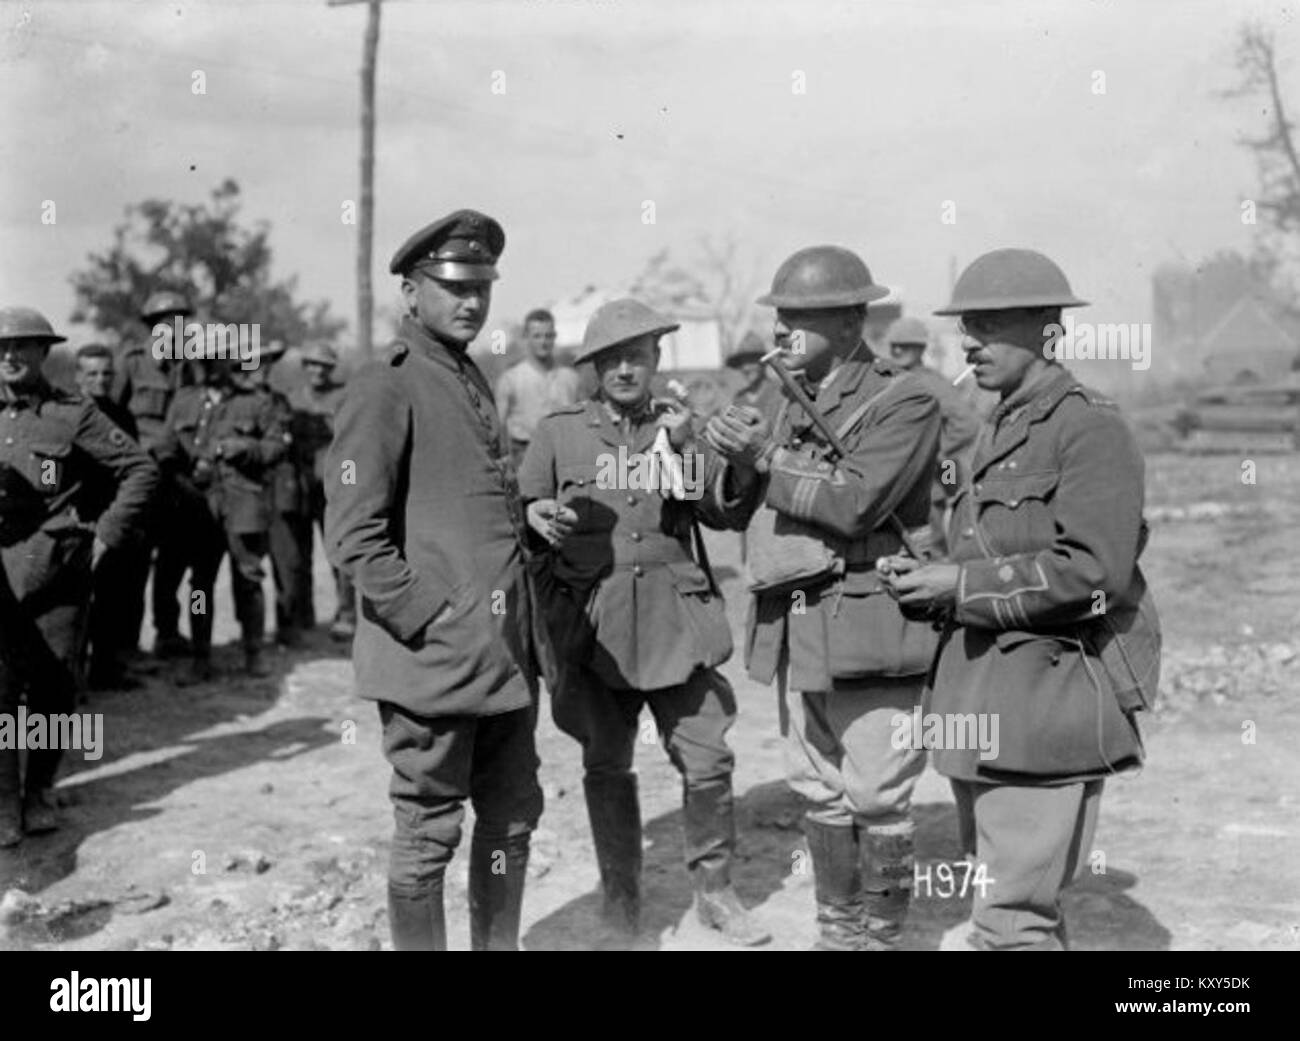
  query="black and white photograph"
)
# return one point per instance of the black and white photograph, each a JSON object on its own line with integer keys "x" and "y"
{"x": 612, "y": 475}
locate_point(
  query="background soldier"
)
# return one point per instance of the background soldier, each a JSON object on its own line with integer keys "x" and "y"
{"x": 634, "y": 621}
{"x": 52, "y": 445}
{"x": 290, "y": 510}
{"x": 1048, "y": 526}
{"x": 314, "y": 406}
{"x": 908, "y": 338}
{"x": 221, "y": 442}
{"x": 831, "y": 634}
{"x": 535, "y": 386}
{"x": 758, "y": 391}
{"x": 145, "y": 385}
{"x": 422, "y": 507}
{"x": 111, "y": 638}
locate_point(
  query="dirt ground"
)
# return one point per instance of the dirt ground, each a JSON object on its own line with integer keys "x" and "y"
{"x": 238, "y": 815}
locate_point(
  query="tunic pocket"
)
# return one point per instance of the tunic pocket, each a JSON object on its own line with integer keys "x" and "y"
{"x": 868, "y": 635}
{"x": 705, "y": 611}
{"x": 47, "y": 466}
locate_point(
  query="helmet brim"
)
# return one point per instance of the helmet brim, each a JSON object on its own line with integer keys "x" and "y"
{"x": 1002, "y": 304}
{"x": 824, "y": 301}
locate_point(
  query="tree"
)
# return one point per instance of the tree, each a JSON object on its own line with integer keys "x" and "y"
{"x": 203, "y": 251}
{"x": 715, "y": 281}
{"x": 1277, "y": 161}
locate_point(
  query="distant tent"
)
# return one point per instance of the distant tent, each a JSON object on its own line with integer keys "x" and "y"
{"x": 1248, "y": 345}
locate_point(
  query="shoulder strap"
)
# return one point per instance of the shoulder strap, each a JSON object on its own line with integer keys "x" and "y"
{"x": 855, "y": 417}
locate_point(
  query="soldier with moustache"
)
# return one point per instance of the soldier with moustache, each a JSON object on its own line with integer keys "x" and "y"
{"x": 633, "y": 620}
{"x": 423, "y": 511}
{"x": 1049, "y": 626}
{"x": 845, "y": 660}
{"x": 57, "y": 450}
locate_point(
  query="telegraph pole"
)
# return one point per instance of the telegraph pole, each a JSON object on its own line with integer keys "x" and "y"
{"x": 365, "y": 218}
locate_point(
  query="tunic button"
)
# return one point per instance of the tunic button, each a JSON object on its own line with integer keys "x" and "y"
{"x": 638, "y": 571}
{"x": 631, "y": 500}
{"x": 967, "y": 532}
{"x": 1014, "y": 503}
{"x": 1012, "y": 464}
{"x": 636, "y": 536}
{"x": 979, "y": 489}
{"x": 582, "y": 480}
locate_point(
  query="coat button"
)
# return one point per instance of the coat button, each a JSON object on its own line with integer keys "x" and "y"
{"x": 967, "y": 532}
{"x": 1013, "y": 503}
{"x": 979, "y": 489}
{"x": 582, "y": 480}
{"x": 1011, "y": 465}
{"x": 636, "y": 536}
{"x": 638, "y": 571}
{"x": 631, "y": 500}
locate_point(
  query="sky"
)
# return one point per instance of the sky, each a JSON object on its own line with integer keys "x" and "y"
{"x": 911, "y": 112}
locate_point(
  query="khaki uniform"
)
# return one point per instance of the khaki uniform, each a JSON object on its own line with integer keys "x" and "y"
{"x": 57, "y": 453}
{"x": 1049, "y": 527}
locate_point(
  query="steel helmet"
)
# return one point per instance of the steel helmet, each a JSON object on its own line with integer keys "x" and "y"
{"x": 26, "y": 323}
{"x": 908, "y": 331}
{"x": 165, "y": 302}
{"x": 822, "y": 277}
{"x": 751, "y": 348}
{"x": 320, "y": 354}
{"x": 1008, "y": 278}
{"x": 619, "y": 321}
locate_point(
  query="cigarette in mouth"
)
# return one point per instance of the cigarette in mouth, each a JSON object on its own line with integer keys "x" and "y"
{"x": 963, "y": 374}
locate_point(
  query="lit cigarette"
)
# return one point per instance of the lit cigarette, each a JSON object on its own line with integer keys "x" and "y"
{"x": 963, "y": 374}
{"x": 776, "y": 352}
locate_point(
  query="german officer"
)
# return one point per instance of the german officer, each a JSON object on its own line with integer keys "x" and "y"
{"x": 54, "y": 447}
{"x": 829, "y": 631}
{"x": 633, "y": 620}
{"x": 221, "y": 442}
{"x": 422, "y": 509}
{"x": 148, "y": 375}
{"x": 1050, "y": 630}
{"x": 314, "y": 405}
{"x": 290, "y": 524}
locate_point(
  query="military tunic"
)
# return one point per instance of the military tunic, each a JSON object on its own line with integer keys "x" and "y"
{"x": 629, "y": 600}
{"x": 1048, "y": 529}
{"x": 220, "y": 447}
{"x": 55, "y": 449}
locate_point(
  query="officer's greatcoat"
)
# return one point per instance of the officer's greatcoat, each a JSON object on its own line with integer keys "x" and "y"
{"x": 1048, "y": 533}
{"x": 423, "y": 511}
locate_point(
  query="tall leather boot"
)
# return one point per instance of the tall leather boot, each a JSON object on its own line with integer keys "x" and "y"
{"x": 252, "y": 625}
{"x": 11, "y": 821}
{"x": 710, "y": 824}
{"x": 417, "y": 919}
{"x": 615, "y": 815}
{"x": 498, "y": 868}
{"x": 834, "y": 852}
{"x": 888, "y": 865}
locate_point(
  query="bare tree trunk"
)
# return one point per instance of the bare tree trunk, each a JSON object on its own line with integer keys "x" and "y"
{"x": 365, "y": 219}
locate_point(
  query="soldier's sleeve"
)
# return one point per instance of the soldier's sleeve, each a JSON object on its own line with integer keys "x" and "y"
{"x": 1098, "y": 512}
{"x": 133, "y": 470}
{"x": 853, "y": 496}
{"x": 725, "y": 502}
{"x": 537, "y": 469}
{"x": 363, "y": 472}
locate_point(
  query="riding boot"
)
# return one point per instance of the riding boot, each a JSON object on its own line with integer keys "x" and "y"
{"x": 615, "y": 815}
{"x": 417, "y": 919}
{"x": 710, "y": 825}
{"x": 834, "y": 852}
{"x": 498, "y": 869}
{"x": 887, "y": 868}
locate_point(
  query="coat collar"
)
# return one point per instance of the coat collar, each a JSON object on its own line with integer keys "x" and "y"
{"x": 639, "y": 438}
{"x": 1009, "y": 425}
{"x": 418, "y": 339}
